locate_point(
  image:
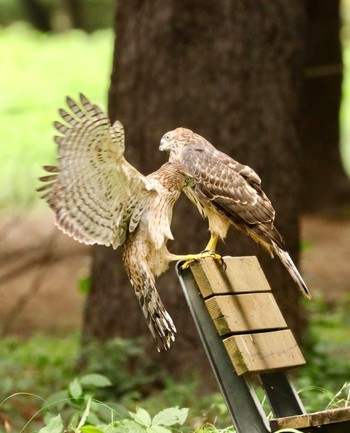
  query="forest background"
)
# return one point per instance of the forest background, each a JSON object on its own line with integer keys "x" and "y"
{"x": 50, "y": 49}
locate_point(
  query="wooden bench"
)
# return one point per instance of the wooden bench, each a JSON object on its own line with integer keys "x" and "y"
{"x": 245, "y": 336}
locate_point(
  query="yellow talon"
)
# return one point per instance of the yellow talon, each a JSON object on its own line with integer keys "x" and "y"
{"x": 203, "y": 255}
{"x": 187, "y": 263}
{"x": 216, "y": 257}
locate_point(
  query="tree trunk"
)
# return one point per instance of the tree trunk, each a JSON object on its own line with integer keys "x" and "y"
{"x": 325, "y": 186}
{"x": 229, "y": 70}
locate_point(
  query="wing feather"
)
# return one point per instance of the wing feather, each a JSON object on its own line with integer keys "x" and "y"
{"x": 234, "y": 190}
{"x": 95, "y": 193}
{"x": 231, "y": 186}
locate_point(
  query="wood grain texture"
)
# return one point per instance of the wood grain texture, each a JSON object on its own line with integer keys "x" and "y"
{"x": 242, "y": 275}
{"x": 262, "y": 352}
{"x": 328, "y": 417}
{"x": 245, "y": 312}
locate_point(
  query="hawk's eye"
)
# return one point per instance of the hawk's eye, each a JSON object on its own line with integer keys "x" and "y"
{"x": 167, "y": 137}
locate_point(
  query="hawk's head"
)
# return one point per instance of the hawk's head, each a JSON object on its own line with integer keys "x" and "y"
{"x": 177, "y": 138}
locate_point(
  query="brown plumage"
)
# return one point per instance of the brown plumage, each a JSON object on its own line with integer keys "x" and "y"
{"x": 99, "y": 198}
{"x": 228, "y": 194}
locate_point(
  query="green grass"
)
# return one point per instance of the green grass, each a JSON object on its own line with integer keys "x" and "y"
{"x": 39, "y": 71}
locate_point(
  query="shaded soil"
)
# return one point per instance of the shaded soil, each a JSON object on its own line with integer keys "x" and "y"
{"x": 40, "y": 270}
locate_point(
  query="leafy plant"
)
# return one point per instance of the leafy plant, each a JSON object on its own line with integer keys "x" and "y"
{"x": 211, "y": 428}
{"x": 76, "y": 409}
{"x": 135, "y": 376}
{"x": 141, "y": 421}
{"x": 76, "y": 406}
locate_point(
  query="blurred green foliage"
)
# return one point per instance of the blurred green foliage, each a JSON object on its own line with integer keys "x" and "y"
{"x": 328, "y": 356}
{"x": 38, "y": 364}
{"x": 344, "y": 116}
{"x": 40, "y": 70}
{"x": 42, "y": 370}
{"x": 89, "y": 15}
{"x": 31, "y": 370}
{"x": 11, "y": 11}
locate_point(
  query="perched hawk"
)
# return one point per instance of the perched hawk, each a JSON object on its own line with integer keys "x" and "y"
{"x": 99, "y": 198}
{"x": 228, "y": 194}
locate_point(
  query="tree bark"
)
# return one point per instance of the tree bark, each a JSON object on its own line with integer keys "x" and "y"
{"x": 231, "y": 71}
{"x": 325, "y": 186}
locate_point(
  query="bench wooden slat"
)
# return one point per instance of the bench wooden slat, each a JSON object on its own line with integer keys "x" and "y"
{"x": 261, "y": 352}
{"x": 316, "y": 419}
{"x": 245, "y": 312}
{"x": 242, "y": 275}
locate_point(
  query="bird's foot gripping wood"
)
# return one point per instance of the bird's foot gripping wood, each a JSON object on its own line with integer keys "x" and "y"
{"x": 203, "y": 255}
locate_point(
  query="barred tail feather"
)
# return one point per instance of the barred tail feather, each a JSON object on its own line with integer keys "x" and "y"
{"x": 158, "y": 319}
{"x": 142, "y": 279}
{"x": 291, "y": 268}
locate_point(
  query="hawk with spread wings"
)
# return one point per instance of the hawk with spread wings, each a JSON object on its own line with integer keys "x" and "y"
{"x": 99, "y": 198}
{"x": 228, "y": 194}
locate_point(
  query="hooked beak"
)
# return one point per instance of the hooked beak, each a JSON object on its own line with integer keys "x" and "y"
{"x": 164, "y": 146}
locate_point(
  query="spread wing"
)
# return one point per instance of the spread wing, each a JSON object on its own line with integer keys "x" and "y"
{"x": 95, "y": 193}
